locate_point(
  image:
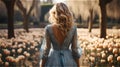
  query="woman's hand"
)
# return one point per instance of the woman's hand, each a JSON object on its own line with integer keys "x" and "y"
{"x": 43, "y": 63}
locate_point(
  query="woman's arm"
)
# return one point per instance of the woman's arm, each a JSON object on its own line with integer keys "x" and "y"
{"x": 47, "y": 48}
{"x": 74, "y": 48}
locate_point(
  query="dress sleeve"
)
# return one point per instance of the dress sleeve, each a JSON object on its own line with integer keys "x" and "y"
{"x": 46, "y": 45}
{"x": 76, "y": 50}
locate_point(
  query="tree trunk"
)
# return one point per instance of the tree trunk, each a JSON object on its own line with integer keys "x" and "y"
{"x": 10, "y": 12}
{"x": 26, "y": 24}
{"x": 103, "y": 22}
{"x": 90, "y": 20}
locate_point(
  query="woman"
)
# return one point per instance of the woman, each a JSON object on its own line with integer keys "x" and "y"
{"x": 61, "y": 49}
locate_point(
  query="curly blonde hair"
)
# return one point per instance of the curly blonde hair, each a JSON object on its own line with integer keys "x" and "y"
{"x": 61, "y": 15}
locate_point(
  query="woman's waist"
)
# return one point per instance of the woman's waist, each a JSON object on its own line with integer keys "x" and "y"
{"x": 61, "y": 50}
{"x": 60, "y": 53}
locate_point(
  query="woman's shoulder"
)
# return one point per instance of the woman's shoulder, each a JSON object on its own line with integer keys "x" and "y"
{"x": 74, "y": 27}
{"x": 48, "y": 27}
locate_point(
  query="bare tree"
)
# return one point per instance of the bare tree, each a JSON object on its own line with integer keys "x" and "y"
{"x": 91, "y": 10}
{"x": 10, "y": 12}
{"x": 36, "y": 12}
{"x": 103, "y": 23}
{"x": 26, "y": 13}
{"x": 90, "y": 23}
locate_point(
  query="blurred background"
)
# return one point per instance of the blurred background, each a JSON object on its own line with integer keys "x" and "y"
{"x": 37, "y": 12}
{"x": 22, "y": 25}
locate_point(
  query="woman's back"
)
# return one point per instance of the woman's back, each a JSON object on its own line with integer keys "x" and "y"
{"x": 58, "y": 34}
{"x": 56, "y": 38}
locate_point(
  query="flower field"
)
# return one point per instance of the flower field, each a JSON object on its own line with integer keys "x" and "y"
{"x": 101, "y": 52}
{"x": 23, "y": 51}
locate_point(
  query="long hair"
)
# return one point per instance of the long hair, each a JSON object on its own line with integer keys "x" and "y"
{"x": 61, "y": 15}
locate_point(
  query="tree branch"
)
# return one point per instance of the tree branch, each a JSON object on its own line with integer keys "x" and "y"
{"x": 31, "y": 8}
{"x": 20, "y": 6}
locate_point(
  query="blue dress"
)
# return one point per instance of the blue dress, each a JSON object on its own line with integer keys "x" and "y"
{"x": 60, "y": 56}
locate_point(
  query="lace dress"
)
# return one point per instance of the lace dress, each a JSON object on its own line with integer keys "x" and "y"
{"x": 60, "y": 56}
